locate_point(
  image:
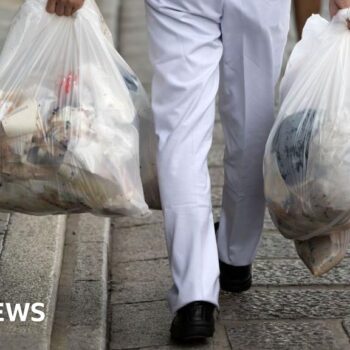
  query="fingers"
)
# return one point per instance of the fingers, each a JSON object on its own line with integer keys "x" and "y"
{"x": 68, "y": 10}
{"x": 60, "y": 8}
{"x": 51, "y": 6}
{"x": 63, "y": 7}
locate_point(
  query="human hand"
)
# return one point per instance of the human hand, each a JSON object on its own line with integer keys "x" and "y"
{"x": 64, "y": 7}
{"x": 336, "y": 5}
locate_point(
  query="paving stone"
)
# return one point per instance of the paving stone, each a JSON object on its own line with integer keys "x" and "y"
{"x": 140, "y": 281}
{"x": 23, "y": 342}
{"x": 216, "y": 214}
{"x": 216, "y": 156}
{"x": 217, "y": 176}
{"x": 218, "y": 342}
{"x": 140, "y": 325}
{"x": 216, "y": 196}
{"x": 88, "y": 227}
{"x": 29, "y": 273}
{"x": 125, "y": 222}
{"x": 287, "y": 303}
{"x": 294, "y": 273}
{"x": 85, "y": 338}
{"x": 274, "y": 245}
{"x": 218, "y": 134}
{"x": 83, "y": 291}
{"x": 288, "y": 335}
{"x": 346, "y": 325}
{"x": 138, "y": 243}
{"x": 90, "y": 261}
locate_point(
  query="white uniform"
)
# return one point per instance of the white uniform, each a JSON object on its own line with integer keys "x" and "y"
{"x": 191, "y": 43}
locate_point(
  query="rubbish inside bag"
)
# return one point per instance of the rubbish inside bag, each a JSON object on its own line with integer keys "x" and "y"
{"x": 71, "y": 112}
{"x": 307, "y": 156}
{"x": 291, "y": 144}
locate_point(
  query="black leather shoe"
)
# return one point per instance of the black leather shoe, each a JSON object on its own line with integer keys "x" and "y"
{"x": 234, "y": 279}
{"x": 193, "y": 322}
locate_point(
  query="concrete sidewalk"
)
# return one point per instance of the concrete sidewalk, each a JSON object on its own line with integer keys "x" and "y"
{"x": 286, "y": 309}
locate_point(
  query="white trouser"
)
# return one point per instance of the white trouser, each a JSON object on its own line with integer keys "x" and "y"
{"x": 188, "y": 40}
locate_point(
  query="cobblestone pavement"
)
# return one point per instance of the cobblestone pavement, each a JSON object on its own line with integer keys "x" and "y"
{"x": 287, "y": 308}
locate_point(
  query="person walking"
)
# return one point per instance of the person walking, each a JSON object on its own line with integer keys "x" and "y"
{"x": 197, "y": 48}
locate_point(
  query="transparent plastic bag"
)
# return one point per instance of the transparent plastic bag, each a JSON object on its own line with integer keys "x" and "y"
{"x": 307, "y": 156}
{"x": 70, "y": 117}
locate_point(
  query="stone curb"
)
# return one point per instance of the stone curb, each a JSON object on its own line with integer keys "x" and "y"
{"x": 81, "y": 311}
{"x": 29, "y": 272}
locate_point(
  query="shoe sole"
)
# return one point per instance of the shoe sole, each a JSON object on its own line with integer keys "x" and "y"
{"x": 195, "y": 334}
{"x": 235, "y": 287}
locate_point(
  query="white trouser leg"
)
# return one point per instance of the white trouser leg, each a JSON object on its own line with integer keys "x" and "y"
{"x": 254, "y": 36}
{"x": 185, "y": 49}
